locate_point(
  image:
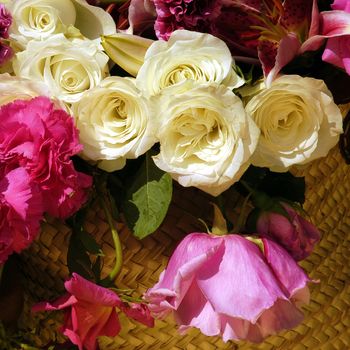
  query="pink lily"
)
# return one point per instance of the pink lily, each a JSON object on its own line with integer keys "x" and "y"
{"x": 336, "y": 27}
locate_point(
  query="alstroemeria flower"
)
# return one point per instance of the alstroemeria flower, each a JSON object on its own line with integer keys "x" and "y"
{"x": 225, "y": 285}
{"x": 91, "y": 312}
{"x": 297, "y": 235}
{"x": 336, "y": 27}
{"x": 273, "y": 30}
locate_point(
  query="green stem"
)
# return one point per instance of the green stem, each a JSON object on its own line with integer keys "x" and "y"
{"x": 247, "y": 186}
{"x": 117, "y": 245}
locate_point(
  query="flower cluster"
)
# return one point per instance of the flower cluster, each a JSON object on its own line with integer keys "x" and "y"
{"x": 219, "y": 94}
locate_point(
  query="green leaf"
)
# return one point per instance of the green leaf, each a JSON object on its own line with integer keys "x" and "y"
{"x": 89, "y": 243}
{"x": 147, "y": 199}
{"x": 77, "y": 259}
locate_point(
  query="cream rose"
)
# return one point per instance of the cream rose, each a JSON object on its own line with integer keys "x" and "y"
{"x": 67, "y": 67}
{"x": 298, "y": 119}
{"x": 39, "y": 19}
{"x": 206, "y": 137}
{"x": 15, "y": 88}
{"x": 187, "y": 55}
{"x": 115, "y": 123}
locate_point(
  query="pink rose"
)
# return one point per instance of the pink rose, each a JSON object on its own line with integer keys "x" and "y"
{"x": 91, "y": 312}
{"x": 294, "y": 233}
{"x": 42, "y": 139}
{"x": 225, "y": 285}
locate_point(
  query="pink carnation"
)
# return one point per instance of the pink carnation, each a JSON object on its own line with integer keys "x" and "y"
{"x": 20, "y": 212}
{"x": 42, "y": 139}
{"x": 184, "y": 14}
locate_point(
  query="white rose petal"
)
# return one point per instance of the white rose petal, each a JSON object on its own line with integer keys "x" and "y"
{"x": 206, "y": 137}
{"x": 298, "y": 119}
{"x": 115, "y": 123}
{"x": 39, "y": 19}
{"x": 15, "y": 88}
{"x": 67, "y": 67}
{"x": 187, "y": 55}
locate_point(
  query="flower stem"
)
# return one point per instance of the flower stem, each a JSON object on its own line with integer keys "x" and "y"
{"x": 117, "y": 245}
{"x": 1, "y": 271}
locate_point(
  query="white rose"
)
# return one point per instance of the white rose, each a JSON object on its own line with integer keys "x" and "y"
{"x": 15, "y": 88}
{"x": 115, "y": 123}
{"x": 39, "y": 19}
{"x": 187, "y": 55}
{"x": 298, "y": 119}
{"x": 206, "y": 137}
{"x": 67, "y": 67}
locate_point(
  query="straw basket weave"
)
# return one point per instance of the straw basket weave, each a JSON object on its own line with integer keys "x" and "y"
{"x": 327, "y": 322}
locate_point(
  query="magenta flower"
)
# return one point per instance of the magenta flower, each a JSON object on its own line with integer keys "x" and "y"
{"x": 91, "y": 312}
{"x": 295, "y": 234}
{"x": 225, "y": 285}
{"x": 42, "y": 139}
{"x": 6, "y": 53}
{"x": 272, "y": 30}
{"x": 5, "y": 21}
{"x": 20, "y": 211}
{"x": 184, "y": 14}
{"x": 336, "y": 27}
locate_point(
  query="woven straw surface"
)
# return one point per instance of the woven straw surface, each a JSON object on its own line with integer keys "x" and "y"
{"x": 326, "y": 325}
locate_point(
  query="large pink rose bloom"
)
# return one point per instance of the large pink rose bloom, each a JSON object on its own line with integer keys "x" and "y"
{"x": 42, "y": 139}
{"x": 297, "y": 235}
{"x": 20, "y": 212}
{"x": 91, "y": 312}
{"x": 225, "y": 285}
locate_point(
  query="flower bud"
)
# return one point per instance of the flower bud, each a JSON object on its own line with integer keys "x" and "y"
{"x": 294, "y": 233}
{"x": 126, "y": 50}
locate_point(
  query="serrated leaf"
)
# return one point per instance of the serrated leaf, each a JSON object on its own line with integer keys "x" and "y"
{"x": 147, "y": 199}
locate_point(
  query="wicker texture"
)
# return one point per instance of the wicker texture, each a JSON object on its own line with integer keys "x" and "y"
{"x": 326, "y": 325}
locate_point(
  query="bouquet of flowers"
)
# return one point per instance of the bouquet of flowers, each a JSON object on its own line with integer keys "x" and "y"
{"x": 117, "y": 105}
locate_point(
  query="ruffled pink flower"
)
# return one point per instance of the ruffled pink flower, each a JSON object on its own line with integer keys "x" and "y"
{"x": 20, "y": 211}
{"x": 90, "y": 312}
{"x": 184, "y": 14}
{"x": 295, "y": 234}
{"x": 225, "y": 285}
{"x": 42, "y": 139}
